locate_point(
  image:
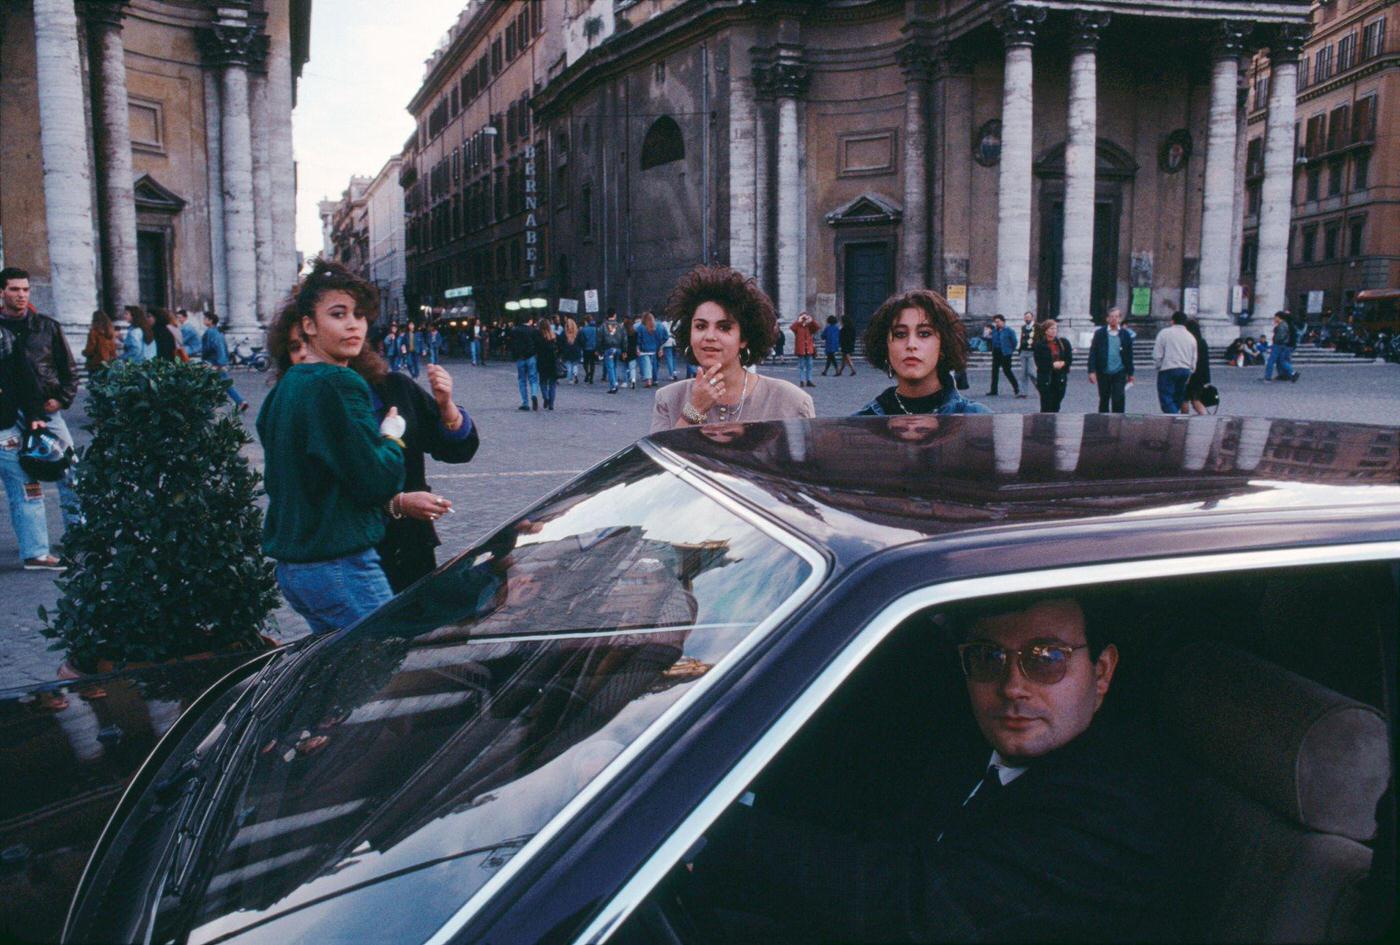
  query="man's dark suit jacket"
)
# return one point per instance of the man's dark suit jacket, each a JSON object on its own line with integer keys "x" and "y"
{"x": 1077, "y": 848}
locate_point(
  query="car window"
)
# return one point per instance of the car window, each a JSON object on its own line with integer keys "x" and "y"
{"x": 415, "y": 756}
{"x": 1244, "y": 735}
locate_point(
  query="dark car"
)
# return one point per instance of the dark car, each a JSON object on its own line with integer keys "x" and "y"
{"x": 531, "y": 744}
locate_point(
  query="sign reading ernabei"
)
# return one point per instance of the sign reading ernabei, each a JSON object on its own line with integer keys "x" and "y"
{"x": 532, "y": 235}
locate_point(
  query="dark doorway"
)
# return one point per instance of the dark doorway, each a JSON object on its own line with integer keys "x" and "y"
{"x": 1103, "y": 281}
{"x": 868, "y": 280}
{"x": 151, "y": 268}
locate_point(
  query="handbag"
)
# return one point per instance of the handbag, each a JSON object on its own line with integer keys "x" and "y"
{"x": 1210, "y": 397}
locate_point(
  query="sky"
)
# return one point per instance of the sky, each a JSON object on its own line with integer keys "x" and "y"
{"x": 352, "y": 99}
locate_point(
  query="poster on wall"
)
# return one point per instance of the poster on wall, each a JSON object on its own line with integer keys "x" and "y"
{"x": 957, "y": 298}
{"x": 1142, "y": 301}
{"x": 568, "y": 306}
{"x": 590, "y": 301}
{"x": 1191, "y": 301}
{"x": 1315, "y": 302}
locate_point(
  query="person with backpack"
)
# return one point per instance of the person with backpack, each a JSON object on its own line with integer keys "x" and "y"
{"x": 1281, "y": 351}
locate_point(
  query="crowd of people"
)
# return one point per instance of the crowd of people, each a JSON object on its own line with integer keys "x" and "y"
{"x": 346, "y": 428}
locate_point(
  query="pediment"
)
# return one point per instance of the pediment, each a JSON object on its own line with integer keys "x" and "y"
{"x": 154, "y": 197}
{"x": 867, "y": 209}
{"x": 1113, "y": 162}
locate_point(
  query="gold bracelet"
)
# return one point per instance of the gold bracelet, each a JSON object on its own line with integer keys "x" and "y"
{"x": 395, "y": 506}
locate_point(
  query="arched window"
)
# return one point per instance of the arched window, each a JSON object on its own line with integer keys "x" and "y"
{"x": 663, "y": 143}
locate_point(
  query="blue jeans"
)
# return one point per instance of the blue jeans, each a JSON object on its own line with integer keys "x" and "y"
{"x": 233, "y": 393}
{"x": 334, "y": 594}
{"x": 1282, "y": 356}
{"x": 647, "y": 361}
{"x": 476, "y": 351}
{"x": 549, "y": 386}
{"x": 412, "y": 359}
{"x": 610, "y": 366}
{"x": 573, "y": 368}
{"x": 670, "y": 360}
{"x": 26, "y": 498}
{"x": 67, "y": 498}
{"x": 527, "y": 375}
{"x": 804, "y": 369}
{"x": 1171, "y": 389}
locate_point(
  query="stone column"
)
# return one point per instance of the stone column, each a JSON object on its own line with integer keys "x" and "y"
{"x": 916, "y": 57}
{"x": 762, "y": 181}
{"x": 261, "y": 130}
{"x": 1018, "y": 25}
{"x": 228, "y": 45}
{"x": 112, "y": 127}
{"x": 1241, "y": 166}
{"x": 64, "y": 154}
{"x": 1218, "y": 210}
{"x": 743, "y": 221}
{"x": 218, "y": 253}
{"x": 281, "y": 162}
{"x": 1081, "y": 167}
{"x": 790, "y": 80}
{"x": 1276, "y": 214}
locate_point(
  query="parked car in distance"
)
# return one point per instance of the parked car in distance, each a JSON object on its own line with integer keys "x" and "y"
{"x": 531, "y": 744}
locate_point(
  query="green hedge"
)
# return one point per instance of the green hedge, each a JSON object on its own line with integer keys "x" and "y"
{"x": 167, "y": 560}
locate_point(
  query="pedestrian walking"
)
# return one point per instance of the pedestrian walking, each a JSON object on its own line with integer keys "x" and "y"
{"x": 725, "y": 324}
{"x": 101, "y": 347}
{"x": 668, "y": 349}
{"x": 831, "y": 342}
{"x": 1281, "y": 351}
{"x": 40, "y": 341}
{"x": 411, "y": 345}
{"x": 331, "y": 470}
{"x": 847, "y": 337}
{"x": 630, "y": 352}
{"x": 918, "y": 338}
{"x": 589, "y": 342}
{"x": 650, "y": 336}
{"x": 1026, "y": 350}
{"x": 1053, "y": 357}
{"x": 1200, "y": 374}
{"x": 571, "y": 350}
{"x": 612, "y": 338}
{"x": 1111, "y": 366}
{"x": 433, "y": 342}
{"x": 189, "y": 334}
{"x": 21, "y": 409}
{"x": 804, "y": 345}
{"x": 390, "y": 345}
{"x": 547, "y": 362}
{"x": 433, "y": 426}
{"x": 169, "y": 344}
{"x": 1174, "y": 354}
{"x": 140, "y": 341}
{"x": 474, "y": 333}
{"x": 523, "y": 353}
{"x": 214, "y": 350}
{"x": 1003, "y": 346}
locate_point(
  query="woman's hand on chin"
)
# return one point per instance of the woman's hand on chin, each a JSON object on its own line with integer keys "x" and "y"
{"x": 707, "y": 389}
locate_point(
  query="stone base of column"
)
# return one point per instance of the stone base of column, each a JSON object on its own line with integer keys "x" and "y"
{"x": 1219, "y": 335}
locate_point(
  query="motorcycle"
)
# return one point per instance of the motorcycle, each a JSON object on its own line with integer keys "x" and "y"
{"x": 250, "y": 356}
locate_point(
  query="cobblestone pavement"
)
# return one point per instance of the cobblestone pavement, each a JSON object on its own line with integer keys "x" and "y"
{"x": 524, "y": 456}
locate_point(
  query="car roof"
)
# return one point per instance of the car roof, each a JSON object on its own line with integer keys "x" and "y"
{"x": 859, "y": 485}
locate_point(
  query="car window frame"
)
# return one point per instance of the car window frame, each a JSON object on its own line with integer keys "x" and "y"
{"x": 821, "y": 569}
{"x": 615, "y": 912}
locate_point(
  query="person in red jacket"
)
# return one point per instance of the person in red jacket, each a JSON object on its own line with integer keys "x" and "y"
{"x": 804, "y": 345}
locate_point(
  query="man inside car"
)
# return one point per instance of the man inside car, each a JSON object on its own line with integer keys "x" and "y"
{"x": 1064, "y": 835}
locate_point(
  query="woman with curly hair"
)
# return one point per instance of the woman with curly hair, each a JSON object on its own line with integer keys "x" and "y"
{"x": 917, "y": 339}
{"x": 331, "y": 467}
{"x": 1053, "y": 357}
{"x": 724, "y": 325}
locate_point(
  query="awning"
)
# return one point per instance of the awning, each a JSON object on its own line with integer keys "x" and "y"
{"x": 1377, "y": 295}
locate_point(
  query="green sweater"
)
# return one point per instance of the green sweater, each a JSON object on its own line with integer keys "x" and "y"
{"x": 328, "y": 471}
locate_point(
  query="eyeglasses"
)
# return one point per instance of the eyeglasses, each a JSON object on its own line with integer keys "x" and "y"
{"x": 1043, "y": 663}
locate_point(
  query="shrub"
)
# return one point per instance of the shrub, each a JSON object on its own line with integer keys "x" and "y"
{"x": 167, "y": 561}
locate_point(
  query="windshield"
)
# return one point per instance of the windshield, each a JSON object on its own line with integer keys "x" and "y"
{"x": 416, "y": 755}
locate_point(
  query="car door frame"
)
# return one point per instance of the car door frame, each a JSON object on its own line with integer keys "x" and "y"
{"x": 610, "y": 917}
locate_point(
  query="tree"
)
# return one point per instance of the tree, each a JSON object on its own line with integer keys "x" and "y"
{"x": 167, "y": 559}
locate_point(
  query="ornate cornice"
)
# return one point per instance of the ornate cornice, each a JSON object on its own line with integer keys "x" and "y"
{"x": 108, "y": 13}
{"x": 227, "y": 45}
{"x": 1286, "y": 44}
{"x": 1085, "y": 30}
{"x": 1227, "y": 39}
{"x": 1018, "y": 24}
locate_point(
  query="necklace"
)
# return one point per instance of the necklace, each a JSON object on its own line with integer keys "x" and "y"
{"x": 724, "y": 416}
{"x": 899, "y": 400}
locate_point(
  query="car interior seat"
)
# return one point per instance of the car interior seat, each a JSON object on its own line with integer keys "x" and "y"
{"x": 1283, "y": 779}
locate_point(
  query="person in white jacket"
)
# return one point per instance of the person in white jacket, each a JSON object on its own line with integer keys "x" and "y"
{"x": 1174, "y": 353}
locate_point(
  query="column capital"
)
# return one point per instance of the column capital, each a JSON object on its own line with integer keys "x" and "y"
{"x": 1085, "y": 30}
{"x": 1018, "y": 24}
{"x": 1286, "y": 45}
{"x": 917, "y": 58}
{"x": 228, "y": 45}
{"x": 1227, "y": 39}
{"x": 789, "y": 78}
{"x": 108, "y": 13}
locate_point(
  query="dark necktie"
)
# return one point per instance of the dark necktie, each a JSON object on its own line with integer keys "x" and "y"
{"x": 988, "y": 789}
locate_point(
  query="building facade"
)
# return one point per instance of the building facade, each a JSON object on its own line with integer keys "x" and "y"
{"x": 471, "y": 173}
{"x": 1345, "y": 236}
{"x": 1058, "y": 157}
{"x": 385, "y": 224}
{"x": 349, "y": 227}
{"x": 147, "y": 153}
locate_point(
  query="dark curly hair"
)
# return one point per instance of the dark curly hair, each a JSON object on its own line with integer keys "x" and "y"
{"x": 952, "y": 335}
{"x": 325, "y": 276}
{"x": 741, "y": 299}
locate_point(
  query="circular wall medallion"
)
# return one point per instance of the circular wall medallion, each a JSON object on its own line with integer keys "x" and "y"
{"x": 987, "y": 149}
{"x": 1175, "y": 152}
